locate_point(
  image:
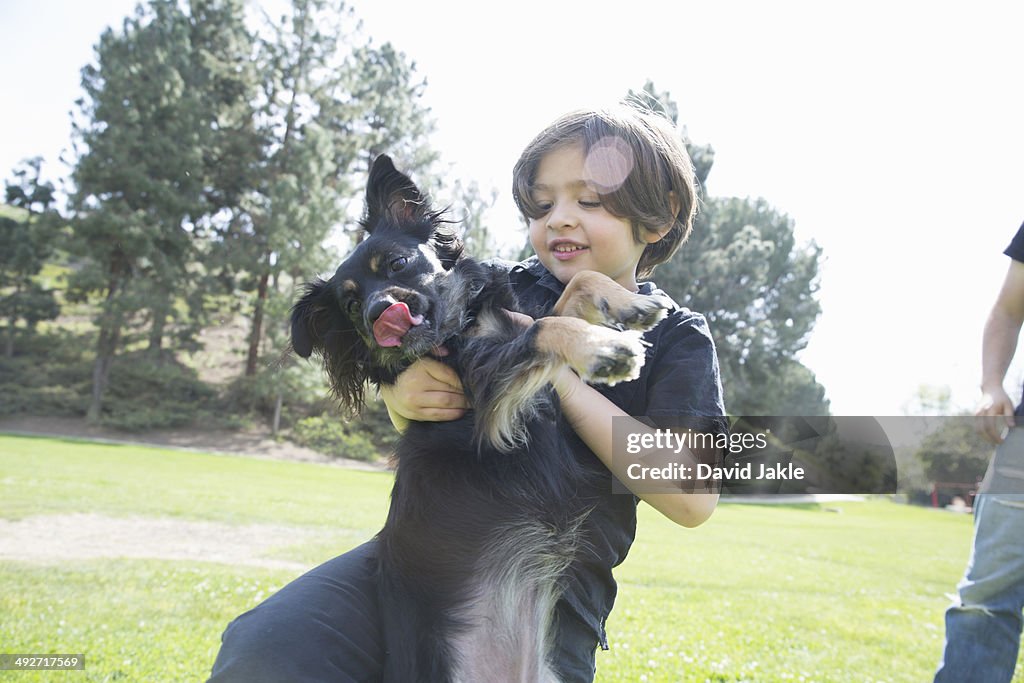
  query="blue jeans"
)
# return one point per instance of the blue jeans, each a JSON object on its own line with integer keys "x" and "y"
{"x": 983, "y": 626}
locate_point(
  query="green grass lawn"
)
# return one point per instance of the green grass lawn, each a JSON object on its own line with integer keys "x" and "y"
{"x": 847, "y": 592}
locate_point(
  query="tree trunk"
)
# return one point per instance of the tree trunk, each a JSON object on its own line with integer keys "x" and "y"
{"x": 156, "y": 332}
{"x": 106, "y": 347}
{"x": 276, "y": 425}
{"x": 257, "y": 326}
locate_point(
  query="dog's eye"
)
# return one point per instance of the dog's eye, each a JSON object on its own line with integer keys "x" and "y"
{"x": 398, "y": 264}
{"x": 353, "y": 306}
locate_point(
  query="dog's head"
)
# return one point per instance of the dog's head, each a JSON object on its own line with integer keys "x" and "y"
{"x": 391, "y": 300}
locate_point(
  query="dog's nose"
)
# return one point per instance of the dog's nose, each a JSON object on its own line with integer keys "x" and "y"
{"x": 377, "y": 307}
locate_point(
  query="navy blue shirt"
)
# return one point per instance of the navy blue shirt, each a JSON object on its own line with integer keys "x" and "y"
{"x": 1016, "y": 248}
{"x": 679, "y": 380}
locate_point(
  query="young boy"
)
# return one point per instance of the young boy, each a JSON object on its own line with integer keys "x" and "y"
{"x": 610, "y": 191}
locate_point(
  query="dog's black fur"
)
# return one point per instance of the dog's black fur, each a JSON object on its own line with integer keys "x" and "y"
{"x": 484, "y": 513}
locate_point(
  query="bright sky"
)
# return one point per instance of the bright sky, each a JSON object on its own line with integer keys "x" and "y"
{"x": 891, "y": 132}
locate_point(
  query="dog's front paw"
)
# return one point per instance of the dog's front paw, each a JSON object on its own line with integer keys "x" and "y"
{"x": 639, "y": 312}
{"x": 599, "y": 300}
{"x": 610, "y": 356}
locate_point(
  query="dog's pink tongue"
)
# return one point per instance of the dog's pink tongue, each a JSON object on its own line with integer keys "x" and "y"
{"x": 393, "y": 323}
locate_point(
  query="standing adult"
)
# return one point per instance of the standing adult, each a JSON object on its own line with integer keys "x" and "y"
{"x": 983, "y": 626}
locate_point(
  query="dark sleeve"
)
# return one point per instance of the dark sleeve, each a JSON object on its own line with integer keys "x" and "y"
{"x": 1016, "y": 248}
{"x": 684, "y": 388}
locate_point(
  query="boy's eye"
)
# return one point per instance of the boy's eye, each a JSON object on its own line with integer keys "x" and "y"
{"x": 590, "y": 203}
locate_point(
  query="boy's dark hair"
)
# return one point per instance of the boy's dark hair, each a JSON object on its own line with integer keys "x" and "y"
{"x": 640, "y": 169}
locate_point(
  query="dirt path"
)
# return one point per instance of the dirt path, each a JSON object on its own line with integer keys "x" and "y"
{"x": 85, "y": 536}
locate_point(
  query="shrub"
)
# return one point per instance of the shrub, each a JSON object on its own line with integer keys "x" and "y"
{"x": 955, "y": 452}
{"x": 331, "y": 436}
{"x": 300, "y": 385}
{"x": 55, "y": 400}
{"x": 46, "y": 378}
{"x": 374, "y": 422}
{"x": 144, "y": 395}
{"x": 251, "y": 395}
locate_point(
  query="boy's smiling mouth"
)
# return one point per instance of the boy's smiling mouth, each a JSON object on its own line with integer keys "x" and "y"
{"x": 564, "y": 250}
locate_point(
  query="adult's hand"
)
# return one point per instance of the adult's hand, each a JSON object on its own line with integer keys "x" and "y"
{"x": 995, "y": 416}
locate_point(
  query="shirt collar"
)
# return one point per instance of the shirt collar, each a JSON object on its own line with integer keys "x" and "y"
{"x": 543, "y": 276}
{"x": 535, "y": 269}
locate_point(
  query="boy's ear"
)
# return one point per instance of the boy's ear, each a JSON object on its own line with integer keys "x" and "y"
{"x": 393, "y": 195}
{"x": 652, "y": 236}
{"x": 673, "y": 202}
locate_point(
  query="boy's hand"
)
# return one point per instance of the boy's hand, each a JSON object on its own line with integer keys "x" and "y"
{"x": 428, "y": 391}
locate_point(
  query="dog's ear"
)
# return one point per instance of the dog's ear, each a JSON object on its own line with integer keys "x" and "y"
{"x": 311, "y": 318}
{"x": 318, "y": 325}
{"x": 390, "y": 194}
{"x": 393, "y": 196}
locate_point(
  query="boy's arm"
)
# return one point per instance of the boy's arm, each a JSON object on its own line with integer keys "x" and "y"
{"x": 590, "y": 415}
{"x": 430, "y": 391}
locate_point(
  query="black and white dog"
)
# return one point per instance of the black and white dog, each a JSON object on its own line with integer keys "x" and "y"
{"x": 484, "y": 519}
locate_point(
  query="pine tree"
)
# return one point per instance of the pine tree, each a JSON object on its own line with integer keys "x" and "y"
{"x": 151, "y": 135}
{"x": 743, "y": 269}
{"x": 328, "y": 104}
{"x": 25, "y": 244}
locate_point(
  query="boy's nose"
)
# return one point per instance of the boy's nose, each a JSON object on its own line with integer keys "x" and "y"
{"x": 562, "y": 217}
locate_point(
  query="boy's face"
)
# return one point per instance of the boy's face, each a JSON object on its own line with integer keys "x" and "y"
{"x": 576, "y": 232}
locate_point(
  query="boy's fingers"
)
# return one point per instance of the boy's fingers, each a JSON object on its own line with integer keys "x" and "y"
{"x": 440, "y": 406}
{"x": 442, "y": 373}
{"x": 444, "y": 400}
{"x": 441, "y": 415}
